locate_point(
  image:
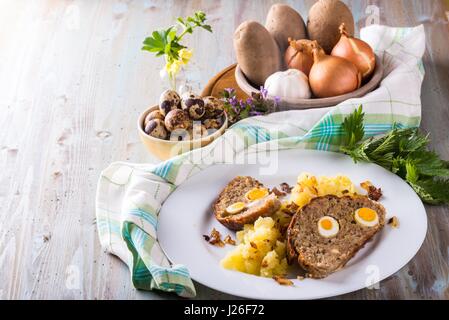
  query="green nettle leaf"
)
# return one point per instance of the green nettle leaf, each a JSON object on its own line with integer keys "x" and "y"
{"x": 413, "y": 142}
{"x": 432, "y": 191}
{"x": 411, "y": 172}
{"x": 402, "y": 151}
{"x": 428, "y": 163}
{"x": 353, "y": 127}
{"x": 423, "y": 194}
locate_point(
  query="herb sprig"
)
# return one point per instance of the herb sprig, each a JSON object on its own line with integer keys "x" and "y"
{"x": 167, "y": 42}
{"x": 403, "y": 152}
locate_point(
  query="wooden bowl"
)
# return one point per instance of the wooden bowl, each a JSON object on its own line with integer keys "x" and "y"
{"x": 297, "y": 104}
{"x": 166, "y": 149}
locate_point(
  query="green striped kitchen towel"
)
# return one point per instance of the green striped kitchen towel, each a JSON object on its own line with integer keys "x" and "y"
{"x": 129, "y": 196}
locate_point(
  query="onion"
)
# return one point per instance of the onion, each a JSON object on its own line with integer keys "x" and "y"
{"x": 357, "y": 51}
{"x": 332, "y": 76}
{"x": 299, "y": 55}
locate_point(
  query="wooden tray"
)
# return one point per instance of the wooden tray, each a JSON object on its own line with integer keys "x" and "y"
{"x": 224, "y": 79}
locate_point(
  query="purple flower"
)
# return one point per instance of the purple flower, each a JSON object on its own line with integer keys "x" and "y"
{"x": 249, "y": 101}
{"x": 263, "y": 92}
{"x": 233, "y": 101}
{"x": 256, "y": 113}
{"x": 230, "y": 91}
{"x": 277, "y": 100}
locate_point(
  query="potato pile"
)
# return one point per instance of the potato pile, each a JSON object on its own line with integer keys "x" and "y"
{"x": 324, "y": 50}
{"x": 261, "y": 250}
{"x": 185, "y": 117}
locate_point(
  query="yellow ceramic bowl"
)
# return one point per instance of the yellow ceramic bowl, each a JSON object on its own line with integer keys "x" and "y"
{"x": 165, "y": 149}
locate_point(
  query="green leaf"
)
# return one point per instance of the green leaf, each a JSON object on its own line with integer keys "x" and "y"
{"x": 353, "y": 128}
{"x": 156, "y": 42}
{"x": 385, "y": 145}
{"x": 245, "y": 112}
{"x": 402, "y": 151}
{"x": 207, "y": 27}
{"x": 171, "y": 35}
{"x": 411, "y": 172}
{"x": 150, "y": 49}
{"x": 428, "y": 163}
{"x": 412, "y": 141}
{"x": 432, "y": 191}
{"x": 167, "y": 42}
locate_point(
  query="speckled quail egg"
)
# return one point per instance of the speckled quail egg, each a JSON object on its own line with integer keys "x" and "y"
{"x": 193, "y": 105}
{"x": 328, "y": 227}
{"x": 156, "y": 129}
{"x": 156, "y": 114}
{"x": 213, "y": 123}
{"x": 366, "y": 217}
{"x": 169, "y": 100}
{"x": 177, "y": 119}
{"x": 213, "y": 106}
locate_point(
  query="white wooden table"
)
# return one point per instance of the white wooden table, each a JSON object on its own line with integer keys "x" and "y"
{"x": 72, "y": 83}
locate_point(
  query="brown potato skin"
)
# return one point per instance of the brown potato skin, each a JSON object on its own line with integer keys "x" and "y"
{"x": 257, "y": 52}
{"x": 324, "y": 20}
{"x": 284, "y": 22}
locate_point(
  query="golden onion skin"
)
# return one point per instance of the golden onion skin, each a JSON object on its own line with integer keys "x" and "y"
{"x": 299, "y": 55}
{"x": 357, "y": 51}
{"x": 333, "y": 76}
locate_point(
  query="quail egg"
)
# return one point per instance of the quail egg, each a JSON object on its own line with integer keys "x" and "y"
{"x": 213, "y": 106}
{"x": 366, "y": 217}
{"x": 256, "y": 194}
{"x": 215, "y": 124}
{"x": 193, "y": 105}
{"x": 156, "y": 114}
{"x": 235, "y": 208}
{"x": 156, "y": 129}
{"x": 328, "y": 227}
{"x": 169, "y": 100}
{"x": 177, "y": 119}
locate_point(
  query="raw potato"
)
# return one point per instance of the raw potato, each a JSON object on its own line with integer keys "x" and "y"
{"x": 325, "y": 18}
{"x": 284, "y": 22}
{"x": 257, "y": 52}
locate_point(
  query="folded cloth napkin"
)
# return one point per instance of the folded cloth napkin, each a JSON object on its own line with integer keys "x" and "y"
{"x": 129, "y": 196}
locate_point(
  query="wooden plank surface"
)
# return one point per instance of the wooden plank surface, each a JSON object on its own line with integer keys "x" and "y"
{"x": 73, "y": 81}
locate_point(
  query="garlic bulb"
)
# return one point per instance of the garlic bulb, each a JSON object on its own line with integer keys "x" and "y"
{"x": 290, "y": 84}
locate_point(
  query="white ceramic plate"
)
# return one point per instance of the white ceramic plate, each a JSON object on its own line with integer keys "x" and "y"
{"x": 187, "y": 215}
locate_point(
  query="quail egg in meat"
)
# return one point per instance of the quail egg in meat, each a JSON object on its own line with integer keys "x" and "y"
{"x": 328, "y": 227}
{"x": 366, "y": 217}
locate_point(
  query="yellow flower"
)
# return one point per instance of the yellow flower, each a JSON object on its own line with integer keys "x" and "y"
{"x": 185, "y": 55}
{"x": 173, "y": 67}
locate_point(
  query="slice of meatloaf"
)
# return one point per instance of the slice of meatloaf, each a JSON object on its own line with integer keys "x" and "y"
{"x": 235, "y": 192}
{"x": 320, "y": 256}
